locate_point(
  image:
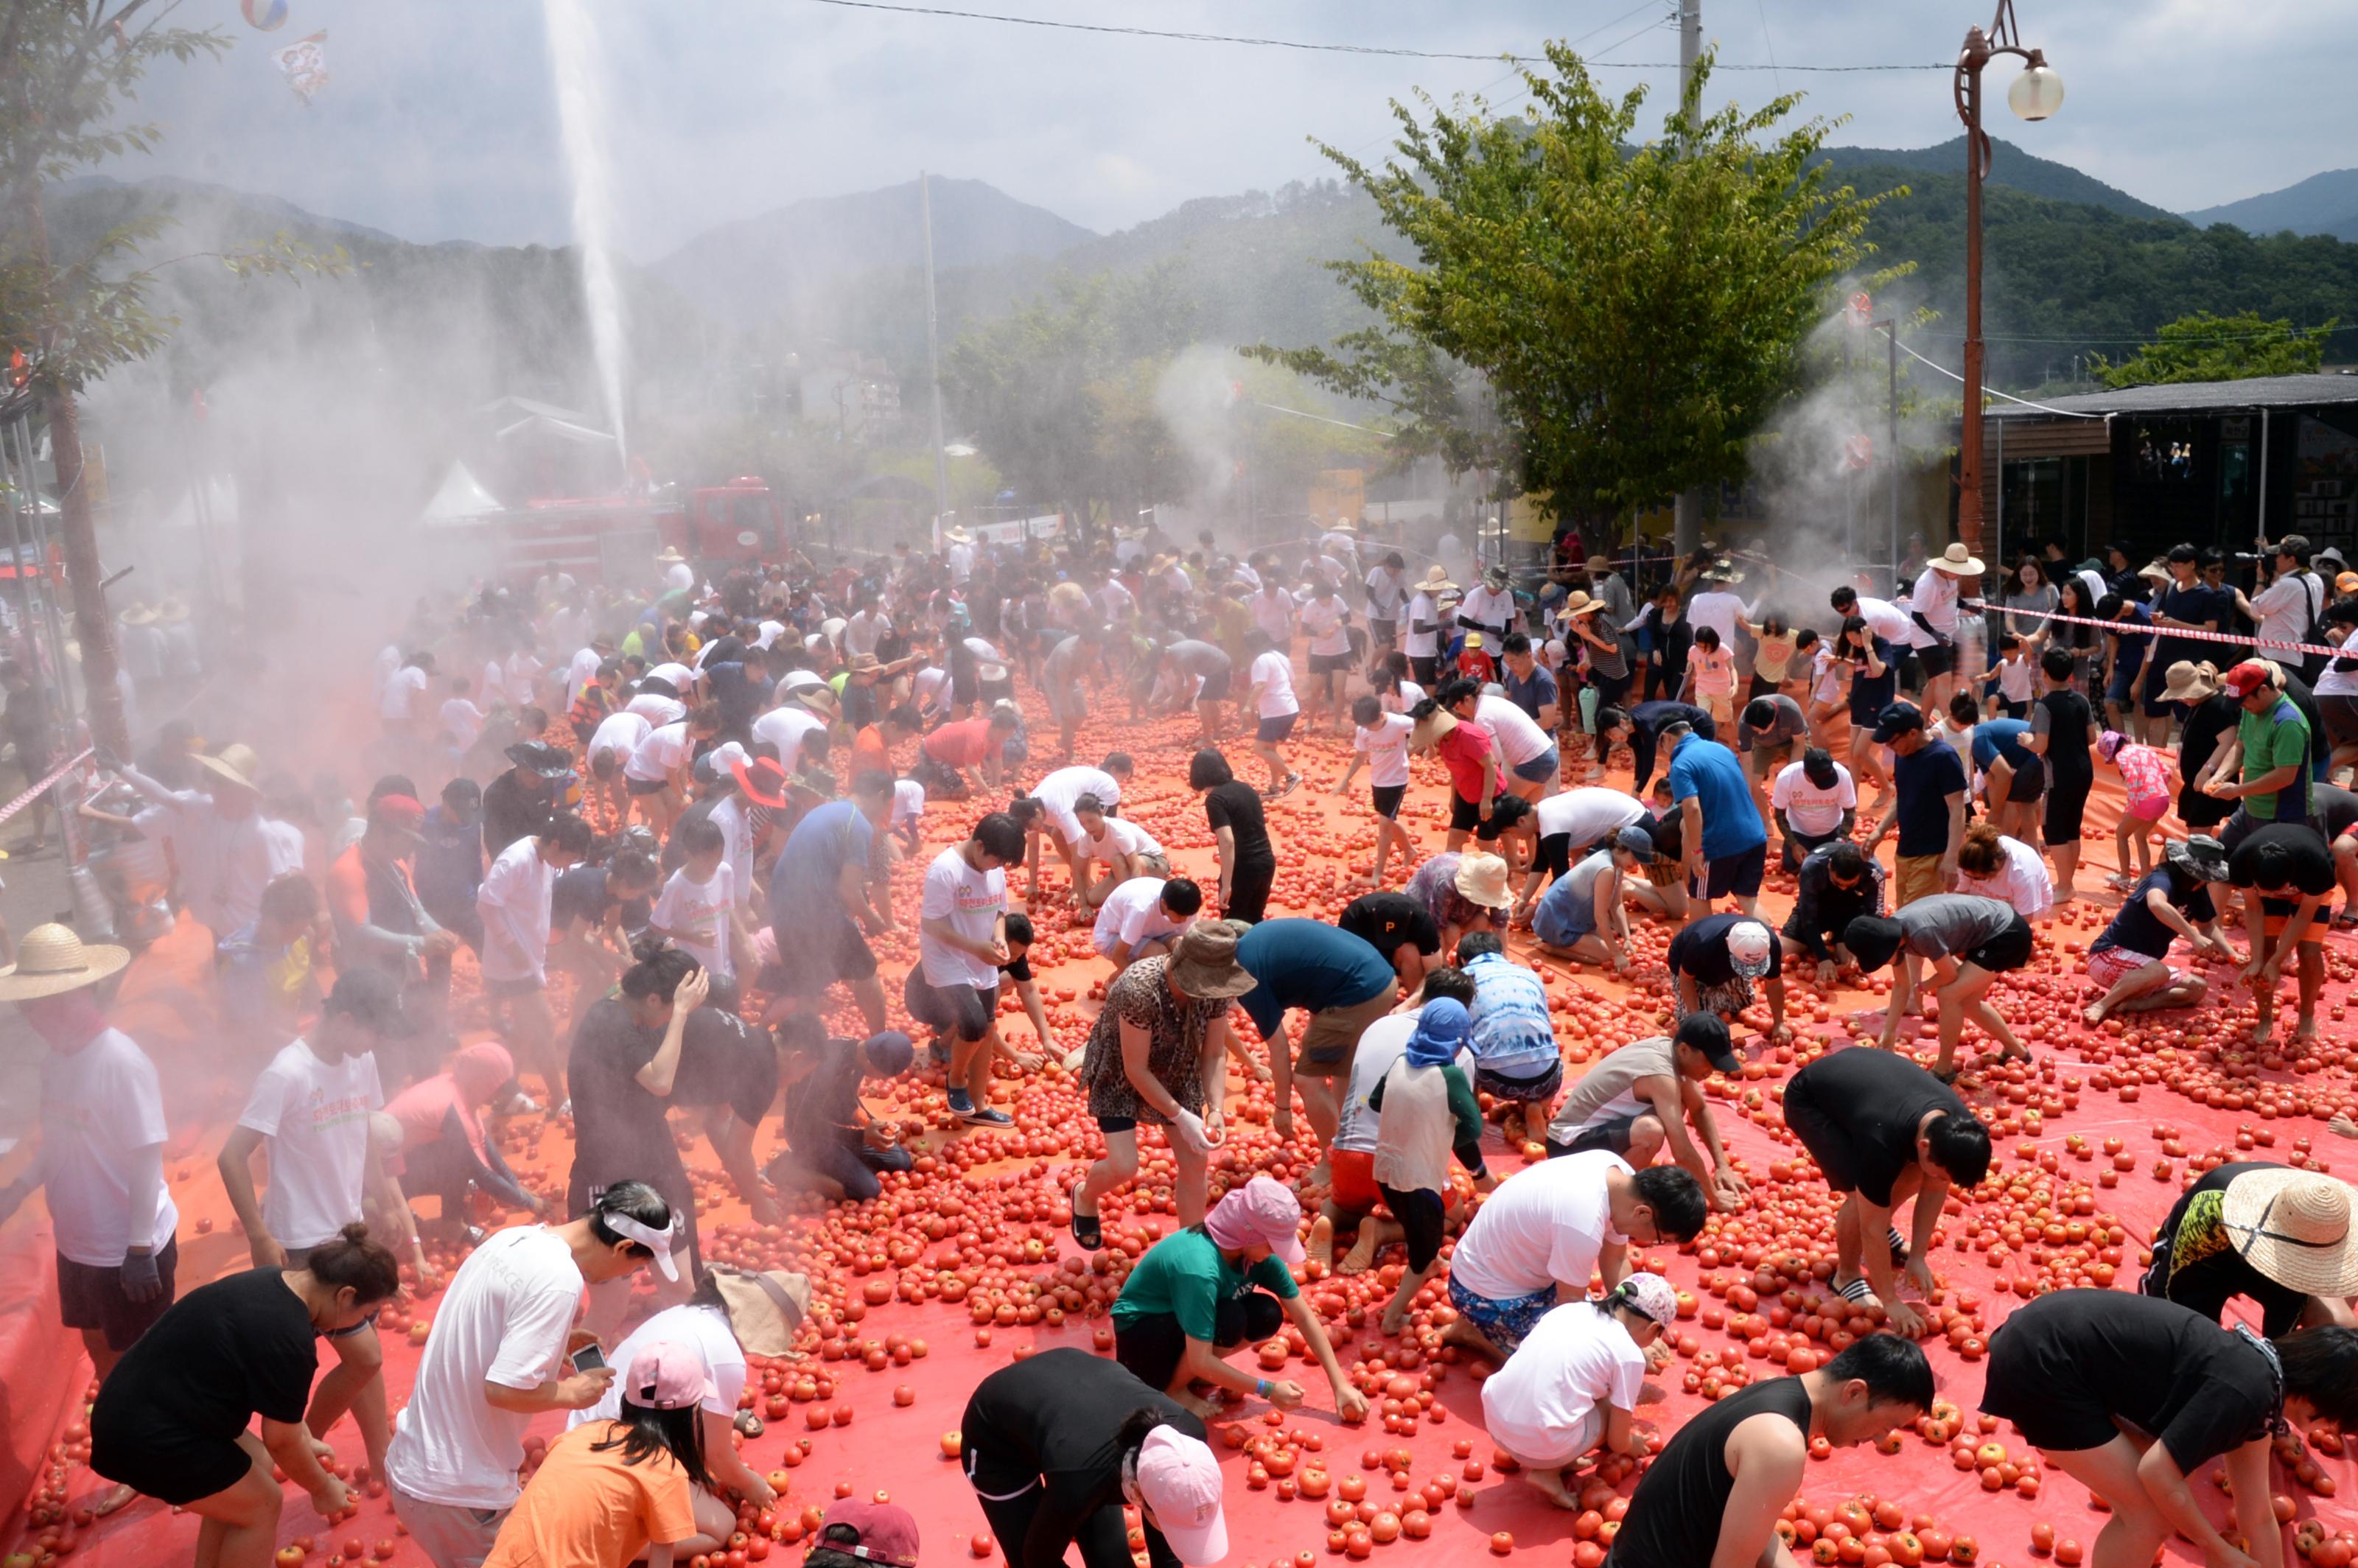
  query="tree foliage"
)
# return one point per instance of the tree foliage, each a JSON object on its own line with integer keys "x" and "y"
{"x": 1636, "y": 309}
{"x": 2203, "y": 347}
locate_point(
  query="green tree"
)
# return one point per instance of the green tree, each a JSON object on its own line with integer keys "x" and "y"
{"x": 2203, "y": 347}
{"x": 1636, "y": 310}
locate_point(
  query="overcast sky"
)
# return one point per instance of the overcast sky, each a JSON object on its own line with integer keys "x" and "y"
{"x": 440, "y": 122}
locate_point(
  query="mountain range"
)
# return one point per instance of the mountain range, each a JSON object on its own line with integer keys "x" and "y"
{"x": 2321, "y": 204}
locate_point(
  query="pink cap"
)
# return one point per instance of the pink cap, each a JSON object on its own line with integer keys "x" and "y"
{"x": 1262, "y": 1211}
{"x": 667, "y": 1375}
{"x": 1179, "y": 1482}
{"x": 1652, "y": 1295}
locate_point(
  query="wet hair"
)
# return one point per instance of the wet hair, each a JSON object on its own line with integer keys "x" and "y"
{"x": 1980, "y": 853}
{"x": 351, "y": 1261}
{"x": 1209, "y": 770}
{"x": 1001, "y": 836}
{"x": 1847, "y": 861}
{"x": 635, "y": 867}
{"x": 1760, "y": 713}
{"x": 1676, "y": 1198}
{"x": 659, "y": 970}
{"x": 1478, "y": 945}
{"x": 1366, "y": 711}
{"x": 2320, "y": 1365}
{"x": 1960, "y": 1145}
{"x": 1450, "y": 982}
{"x": 2057, "y": 664}
{"x": 1872, "y": 940}
{"x": 569, "y": 833}
{"x": 701, "y": 835}
{"x": 642, "y": 1433}
{"x": 1893, "y": 1369}
{"x": 1506, "y": 811}
{"x": 1118, "y": 763}
{"x": 1182, "y": 896}
{"x": 1019, "y": 929}
{"x": 292, "y": 897}
{"x": 634, "y": 1200}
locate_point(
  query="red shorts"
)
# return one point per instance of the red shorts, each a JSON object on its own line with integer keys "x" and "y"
{"x": 1355, "y": 1183}
{"x": 2107, "y": 968}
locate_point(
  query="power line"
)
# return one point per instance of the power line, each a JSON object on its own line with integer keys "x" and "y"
{"x": 1305, "y": 44}
{"x": 2147, "y": 337}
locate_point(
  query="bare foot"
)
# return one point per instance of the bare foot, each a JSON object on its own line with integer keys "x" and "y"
{"x": 1362, "y": 1255}
{"x": 1322, "y": 1241}
{"x": 1550, "y": 1485}
{"x": 109, "y": 1501}
{"x": 2094, "y": 1015}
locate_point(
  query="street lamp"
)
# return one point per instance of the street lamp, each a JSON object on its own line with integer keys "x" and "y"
{"x": 2036, "y": 94}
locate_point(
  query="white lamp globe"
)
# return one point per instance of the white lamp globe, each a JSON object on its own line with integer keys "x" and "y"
{"x": 2036, "y": 93}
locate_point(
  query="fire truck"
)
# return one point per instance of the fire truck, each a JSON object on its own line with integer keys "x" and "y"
{"x": 607, "y": 538}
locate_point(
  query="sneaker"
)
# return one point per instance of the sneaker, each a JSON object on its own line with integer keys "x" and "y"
{"x": 520, "y": 1104}
{"x": 961, "y": 1103}
{"x": 985, "y": 1118}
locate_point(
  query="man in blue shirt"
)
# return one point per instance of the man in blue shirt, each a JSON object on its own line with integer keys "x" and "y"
{"x": 828, "y": 883}
{"x": 1342, "y": 982}
{"x": 2130, "y": 644}
{"x": 1928, "y": 804}
{"x": 2014, "y": 776}
{"x": 1727, "y": 847}
{"x": 1526, "y": 684}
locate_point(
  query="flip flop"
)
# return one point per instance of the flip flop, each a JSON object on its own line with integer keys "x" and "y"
{"x": 1085, "y": 1229}
{"x": 1857, "y": 1291}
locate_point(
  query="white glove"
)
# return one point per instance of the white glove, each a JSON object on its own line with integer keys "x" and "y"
{"x": 1187, "y": 1131}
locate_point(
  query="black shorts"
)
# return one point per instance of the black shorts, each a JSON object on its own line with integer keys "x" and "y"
{"x": 1553, "y": 854}
{"x": 2067, "y": 808}
{"x": 2030, "y": 780}
{"x": 1420, "y": 1213}
{"x": 1384, "y": 632}
{"x": 648, "y": 786}
{"x": 1215, "y": 687}
{"x": 2058, "y": 1420}
{"x": 1869, "y": 695}
{"x": 1277, "y": 729}
{"x": 1828, "y": 1145}
{"x": 1464, "y": 816}
{"x": 1935, "y": 661}
{"x": 1739, "y": 874}
{"x": 177, "y": 1469}
{"x": 964, "y": 1011}
{"x": 2009, "y": 949}
{"x": 830, "y": 953}
{"x": 1249, "y": 893}
{"x": 1331, "y": 664}
{"x": 1613, "y": 1136}
{"x": 1540, "y": 1086}
{"x": 1424, "y": 669}
{"x": 92, "y": 1297}
{"x": 1387, "y": 798}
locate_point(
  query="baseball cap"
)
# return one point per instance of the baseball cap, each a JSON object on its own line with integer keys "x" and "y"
{"x": 881, "y": 1532}
{"x": 402, "y": 813}
{"x": 1705, "y": 1033}
{"x": 1179, "y": 1479}
{"x": 1748, "y": 949}
{"x": 888, "y": 1054}
{"x": 667, "y": 1375}
{"x": 1817, "y": 767}
{"x": 1897, "y": 719}
{"x": 1635, "y": 842}
{"x": 541, "y": 758}
{"x": 1261, "y": 1210}
{"x": 2246, "y": 678}
{"x": 1651, "y": 1294}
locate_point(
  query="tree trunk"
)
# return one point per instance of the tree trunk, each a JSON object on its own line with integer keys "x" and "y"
{"x": 92, "y": 625}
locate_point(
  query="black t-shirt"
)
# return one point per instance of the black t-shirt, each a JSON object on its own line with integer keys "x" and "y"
{"x": 1235, "y": 806}
{"x": 618, "y": 1125}
{"x": 2069, "y": 725}
{"x": 2205, "y": 723}
{"x": 226, "y": 1352}
{"x": 1925, "y": 779}
{"x": 1385, "y": 920}
{"x": 2320, "y": 744}
{"x": 2201, "y": 1390}
{"x": 1050, "y": 1420}
{"x": 1675, "y": 1515}
{"x": 580, "y": 893}
{"x": 2137, "y": 928}
{"x": 1699, "y": 952}
{"x": 723, "y": 1060}
{"x": 1669, "y": 832}
{"x": 1873, "y": 1102}
{"x": 2307, "y": 856}
{"x": 824, "y": 1107}
{"x": 513, "y": 811}
{"x": 2335, "y": 808}
{"x": 2201, "y": 1268}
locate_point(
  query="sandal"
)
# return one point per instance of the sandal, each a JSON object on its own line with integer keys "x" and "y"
{"x": 1945, "y": 1074}
{"x": 1857, "y": 1291}
{"x": 1085, "y": 1229}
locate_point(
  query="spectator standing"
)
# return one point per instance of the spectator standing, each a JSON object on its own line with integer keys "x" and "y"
{"x": 1928, "y": 804}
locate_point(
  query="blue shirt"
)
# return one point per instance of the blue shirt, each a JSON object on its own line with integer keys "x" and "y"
{"x": 1531, "y": 695}
{"x": 1310, "y": 964}
{"x": 1924, "y": 780}
{"x": 1994, "y": 737}
{"x": 803, "y": 887}
{"x": 1707, "y": 771}
{"x": 1511, "y": 1032}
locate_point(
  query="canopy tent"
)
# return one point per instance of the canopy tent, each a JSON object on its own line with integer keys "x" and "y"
{"x": 514, "y": 416}
{"x": 462, "y": 498}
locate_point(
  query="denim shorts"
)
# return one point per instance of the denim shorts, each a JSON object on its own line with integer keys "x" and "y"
{"x": 1504, "y": 1324}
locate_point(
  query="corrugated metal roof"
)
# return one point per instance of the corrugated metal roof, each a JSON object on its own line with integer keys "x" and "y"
{"x": 2195, "y": 398}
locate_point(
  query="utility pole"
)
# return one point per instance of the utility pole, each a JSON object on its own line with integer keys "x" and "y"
{"x": 1687, "y": 526}
{"x": 934, "y": 351}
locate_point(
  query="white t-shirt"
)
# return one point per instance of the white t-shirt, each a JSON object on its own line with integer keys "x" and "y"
{"x": 403, "y": 690}
{"x": 1812, "y": 810}
{"x": 1387, "y": 749}
{"x": 702, "y": 1329}
{"x": 661, "y": 754}
{"x": 1520, "y": 740}
{"x": 1720, "y": 611}
{"x": 1273, "y": 672}
{"x": 2014, "y": 678}
{"x": 786, "y": 728}
{"x": 514, "y": 903}
{"x": 1134, "y": 914}
{"x": 1544, "y": 1225}
{"x": 1060, "y": 789}
{"x": 462, "y": 721}
{"x": 1588, "y": 815}
{"x": 1575, "y": 1361}
{"x": 679, "y": 577}
{"x": 100, "y": 1106}
{"x": 1487, "y": 607}
{"x": 2021, "y": 881}
{"x": 1323, "y": 622}
{"x": 1399, "y": 701}
{"x": 1272, "y": 611}
{"x": 1386, "y": 593}
{"x": 1422, "y": 644}
{"x": 971, "y": 902}
{"x": 1381, "y": 1044}
{"x": 621, "y": 732}
{"x": 697, "y": 914}
{"x": 864, "y": 630}
{"x": 657, "y": 709}
{"x": 1934, "y": 598}
{"x": 1121, "y": 836}
{"x": 929, "y": 686}
{"x": 908, "y": 802}
{"x": 578, "y": 671}
{"x": 1887, "y": 620}
{"x": 681, "y": 678}
{"x": 317, "y": 1118}
{"x": 2332, "y": 682}
{"x": 503, "y": 1319}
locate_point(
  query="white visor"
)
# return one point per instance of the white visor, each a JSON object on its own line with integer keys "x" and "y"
{"x": 659, "y": 1243}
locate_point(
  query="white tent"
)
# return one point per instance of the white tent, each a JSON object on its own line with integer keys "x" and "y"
{"x": 461, "y": 498}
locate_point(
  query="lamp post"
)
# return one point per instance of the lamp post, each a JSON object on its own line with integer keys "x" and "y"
{"x": 2036, "y": 94}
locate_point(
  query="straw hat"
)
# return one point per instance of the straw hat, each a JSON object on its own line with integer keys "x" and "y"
{"x": 138, "y": 616}
{"x": 52, "y": 960}
{"x": 765, "y": 1310}
{"x": 1957, "y": 561}
{"x": 859, "y": 664}
{"x": 1342, "y": 526}
{"x": 1430, "y": 728}
{"x": 172, "y": 612}
{"x": 2294, "y": 1226}
{"x": 2192, "y": 682}
{"x": 1435, "y": 581}
{"x": 1484, "y": 880}
{"x": 957, "y": 535}
{"x": 1203, "y": 963}
{"x": 669, "y": 556}
{"x": 1579, "y": 603}
{"x": 1723, "y": 571}
{"x": 235, "y": 763}
{"x": 1158, "y": 566}
{"x": 820, "y": 698}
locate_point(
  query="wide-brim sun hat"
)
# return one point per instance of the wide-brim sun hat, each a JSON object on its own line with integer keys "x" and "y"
{"x": 2295, "y": 1228}
{"x": 1430, "y": 728}
{"x": 765, "y": 1309}
{"x": 1435, "y": 581}
{"x": 235, "y": 763}
{"x": 1577, "y": 604}
{"x": 1203, "y": 963}
{"x": 955, "y": 534}
{"x": 52, "y": 960}
{"x": 1957, "y": 561}
{"x": 1484, "y": 880}
{"x": 2192, "y": 681}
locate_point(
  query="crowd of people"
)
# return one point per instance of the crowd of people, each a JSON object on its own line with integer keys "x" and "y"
{"x": 662, "y": 834}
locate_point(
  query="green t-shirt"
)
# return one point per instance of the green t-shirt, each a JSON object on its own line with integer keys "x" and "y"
{"x": 1184, "y": 1275}
{"x": 2277, "y": 739}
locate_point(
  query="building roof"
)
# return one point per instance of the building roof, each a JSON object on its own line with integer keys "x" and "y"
{"x": 2193, "y": 398}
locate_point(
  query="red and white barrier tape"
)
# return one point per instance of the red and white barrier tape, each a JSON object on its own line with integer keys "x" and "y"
{"x": 35, "y": 792}
{"x": 2321, "y": 650}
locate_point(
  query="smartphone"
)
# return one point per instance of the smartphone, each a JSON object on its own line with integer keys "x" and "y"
{"x": 588, "y": 1358}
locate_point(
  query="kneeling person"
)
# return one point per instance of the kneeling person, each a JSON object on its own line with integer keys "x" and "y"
{"x": 1573, "y": 1385}
{"x": 1645, "y": 1094}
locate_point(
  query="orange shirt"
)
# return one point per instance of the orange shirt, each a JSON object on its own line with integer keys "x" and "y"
{"x": 586, "y": 1510}
{"x": 869, "y": 750}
